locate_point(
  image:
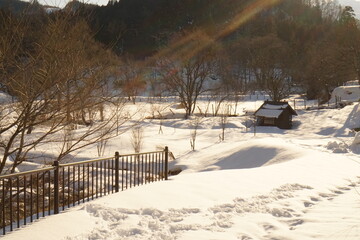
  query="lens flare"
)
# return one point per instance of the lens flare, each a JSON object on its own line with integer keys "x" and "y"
{"x": 248, "y": 13}
{"x": 185, "y": 47}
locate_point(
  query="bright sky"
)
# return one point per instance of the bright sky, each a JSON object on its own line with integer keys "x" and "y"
{"x": 62, "y": 3}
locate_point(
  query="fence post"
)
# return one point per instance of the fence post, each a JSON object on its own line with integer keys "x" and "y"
{"x": 117, "y": 157}
{"x": 56, "y": 187}
{"x": 166, "y": 162}
{"x": 294, "y": 104}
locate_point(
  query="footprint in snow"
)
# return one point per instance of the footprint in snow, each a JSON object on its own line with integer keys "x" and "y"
{"x": 308, "y": 204}
{"x": 295, "y": 222}
{"x": 337, "y": 192}
{"x": 344, "y": 188}
{"x": 328, "y": 196}
{"x": 244, "y": 237}
{"x": 268, "y": 227}
{"x": 314, "y": 199}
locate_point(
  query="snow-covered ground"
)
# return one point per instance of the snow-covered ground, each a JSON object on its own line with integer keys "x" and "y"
{"x": 300, "y": 184}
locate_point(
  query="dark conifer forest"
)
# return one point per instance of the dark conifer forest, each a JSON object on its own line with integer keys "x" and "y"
{"x": 311, "y": 43}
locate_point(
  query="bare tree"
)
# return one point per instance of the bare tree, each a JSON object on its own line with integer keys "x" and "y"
{"x": 269, "y": 63}
{"x": 223, "y": 122}
{"x": 137, "y": 137}
{"x": 186, "y": 64}
{"x": 195, "y": 124}
{"x": 56, "y": 80}
{"x": 130, "y": 79}
{"x": 234, "y": 70}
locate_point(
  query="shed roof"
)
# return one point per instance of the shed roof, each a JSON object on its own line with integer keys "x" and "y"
{"x": 270, "y": 113}
{"x": 271, "y": 109}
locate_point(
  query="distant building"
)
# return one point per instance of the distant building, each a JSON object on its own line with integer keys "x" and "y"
{"x": 277, "y": 114}
{"x": 352, "y": 83}
{"x": 349, "y": 93}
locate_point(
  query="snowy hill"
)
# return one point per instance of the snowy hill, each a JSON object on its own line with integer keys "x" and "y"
{"x": 276, "y": 184}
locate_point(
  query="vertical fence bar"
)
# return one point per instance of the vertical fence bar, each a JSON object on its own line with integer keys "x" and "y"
{"x": 126, "y": 173}
{"x": 83, "y": 183}
{"x": 68, "y": 185}
{"x": 112, "y": 170}
{"x": 142, "y": 169}
{"x": 31, "y": 197}
{"x": 162, "y": 166}
{"x": 108, "y": 182}
{"x": 110, "y": 176}
{"x": 3, "y": 208}
{"x": 130, "y": 162}
{"x": 166, "y": 162}
{"x": 101, "y": 175}
{"x": 152, "y": 167}
{"x": 56, "y": 187}
{"x": 78, "y": 185}
{"x": 113, "y": 176}
{"x": 117, "y": 156}
{"x": 96, "y": 179}
{"x": 147, "y": 171}
{"x": 43, "y": 194}
{"x": 92, "y": 181}
{"x": 158, "y": 166}
{"x": 17, "y": 202}
{"x": 25, "y": 200}
{"x": 11, "y": 205}
{"x": 49, "y": 192}
{"x": 133, "y": 160}
{"x": 88, "y": 182}
{"x": 138, "y": 168}
{"x": 122, "y": 173}
{"x": 73, "y": 190}
{"x": 104, "y": 173}
{"x": 37, "y": 196}
{"x": 63, "y": 189}
{"x": 105, "y": 177}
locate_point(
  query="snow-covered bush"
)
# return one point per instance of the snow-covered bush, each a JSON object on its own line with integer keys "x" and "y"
{"x": 337, "y": 147}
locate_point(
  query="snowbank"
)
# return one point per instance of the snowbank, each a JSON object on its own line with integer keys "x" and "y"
{"x": 275, "y": 184}
{"x": 346, "y": 93}
{"x": 279, "y": 201}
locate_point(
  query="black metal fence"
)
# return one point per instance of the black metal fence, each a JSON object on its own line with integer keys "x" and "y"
{"x": 27, "y": 196}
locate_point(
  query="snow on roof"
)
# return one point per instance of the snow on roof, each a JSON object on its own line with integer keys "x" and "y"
{"x": 271, "y": 109}
{"x": 270, "y": 113}
{"x": 271, "y": 106}
{"x": 352, "y": 83}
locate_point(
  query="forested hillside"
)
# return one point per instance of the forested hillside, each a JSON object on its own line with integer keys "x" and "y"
{"x": 314, "y": 41}
{"x": 260, "y": 45}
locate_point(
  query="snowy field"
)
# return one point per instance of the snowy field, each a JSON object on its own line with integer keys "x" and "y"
{"x": 302, "y": 183}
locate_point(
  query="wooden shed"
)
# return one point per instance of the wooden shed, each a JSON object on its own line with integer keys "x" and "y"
{"x": 273, "y": 113}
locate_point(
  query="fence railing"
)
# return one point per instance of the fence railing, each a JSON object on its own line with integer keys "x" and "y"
{"x": 30, "y": 195}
